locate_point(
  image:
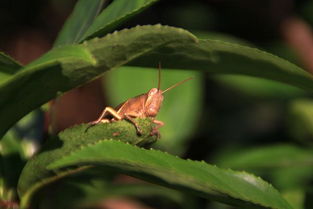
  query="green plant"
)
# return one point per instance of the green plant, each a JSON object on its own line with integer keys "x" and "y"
{"x": 76, "y": 161}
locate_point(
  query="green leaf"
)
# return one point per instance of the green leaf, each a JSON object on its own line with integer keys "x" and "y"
{"x": 8, "y": 67}
{"x": 235, "y": 188}
{"x": 217, "y": 57}
{"x": 300, "y": 120}
{"x": 186, "y": 99}
{"x": 296, "y": 198}
{"x": 288, "y": 166}
{"x": 259, "y": 87}
{"x": 66, "y": 67}
{"x": 115, "y": 14}
{"x": 253, "y": 86}
{"x": 268, "y": 157}
{"x": 71, "y": 139}
{"x": 76, "y": 25}
{"x": 221, "y": 37}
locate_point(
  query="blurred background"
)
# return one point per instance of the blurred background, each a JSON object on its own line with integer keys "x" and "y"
{"x": 226, "y": 114}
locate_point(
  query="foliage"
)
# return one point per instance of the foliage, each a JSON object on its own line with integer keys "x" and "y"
{"x": 86, "y": 159}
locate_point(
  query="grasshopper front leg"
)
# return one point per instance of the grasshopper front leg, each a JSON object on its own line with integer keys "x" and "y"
{"x": 155, "y": 130}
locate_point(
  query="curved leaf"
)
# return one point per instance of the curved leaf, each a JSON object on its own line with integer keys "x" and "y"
{"x": 219, "y": 57}
{"x": 296, "y": 198}
{"x": 76, "y": 25}
{"x": 67, "y": 67}
{"x": 259, "y": 87}
{"x": 235, "y": 188}
{"x": 253, "y": 86}
{"x": 288, "y": 166}
{"x": 300, "y": 120}
{"x": 116, "y": 13}
{"x": 71, "y": 139}
{"x": 268, "y": 157}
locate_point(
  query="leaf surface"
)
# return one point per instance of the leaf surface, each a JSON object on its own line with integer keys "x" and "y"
{"x": 288, "y": 166}
{"x": 64, "y": 68}
{"x": 268, "y": 157}
{"x": 300, "y": 120}
{"x": 217, "y": 57}
{"x": 69, "y": 140}
{"x": 81, "y": 18}
{"x": 67, "y": 67}
{"x": 116, "y": 13}
{"x": 235, "y": 188}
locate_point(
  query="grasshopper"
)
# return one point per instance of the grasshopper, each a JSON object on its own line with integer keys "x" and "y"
{"x": 141, "y": 106}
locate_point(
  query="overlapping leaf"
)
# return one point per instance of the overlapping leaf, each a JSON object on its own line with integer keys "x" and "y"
{"x": 269, "y": 157}
{"x": 235, "y": 188}
{"x": 116, "y": 13}
{"x": 77, "y": 24}
{"x": 288, "y": 166}
{"x": 219, "y": 57}
{"x": 64, "y": 68}
{"x": 69, "y": 140}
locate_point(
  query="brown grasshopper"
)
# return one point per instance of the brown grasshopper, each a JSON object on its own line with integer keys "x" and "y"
{"x": 141, "y": 106}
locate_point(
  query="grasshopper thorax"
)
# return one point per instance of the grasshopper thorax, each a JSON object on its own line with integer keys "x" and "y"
{"x": 153, "y": 102}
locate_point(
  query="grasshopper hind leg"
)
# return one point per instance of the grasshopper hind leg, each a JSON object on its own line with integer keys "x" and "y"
{"x": 130, "y": 119}
{"x": 105, "y": 112}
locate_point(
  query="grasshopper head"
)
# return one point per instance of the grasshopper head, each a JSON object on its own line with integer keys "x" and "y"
{"x": 153, "y": 102}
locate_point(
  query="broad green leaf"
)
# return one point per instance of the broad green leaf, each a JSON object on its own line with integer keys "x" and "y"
{"x": 289, "y": 178}
{"x": 274, "y": 156}
{"x": 288, "y": 166}
{"x": 71, "y": 139}
{"x": 67, "y": 67}
{"x": 300, "y": 120}
{"x": 64, "y": 68}
{"x": 221, "y": 37}
{"x": 115, "y": 14}
{"x": 217, "y": 57}
{"x": 256, "y": 87}
{"x": 8, "y": 67}
{"x": 76, "y": 25}
{"x": 186, "y": 99}
{"x": 231, "y": 187}
{"x": 284, "y": 51}
{"x": 296, "y": 198}
{"x": 259, "y": 87}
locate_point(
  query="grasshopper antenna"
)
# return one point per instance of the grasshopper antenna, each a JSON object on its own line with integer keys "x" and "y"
{"x": 177, "y": 84}
{"x": 159, "y": 79}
